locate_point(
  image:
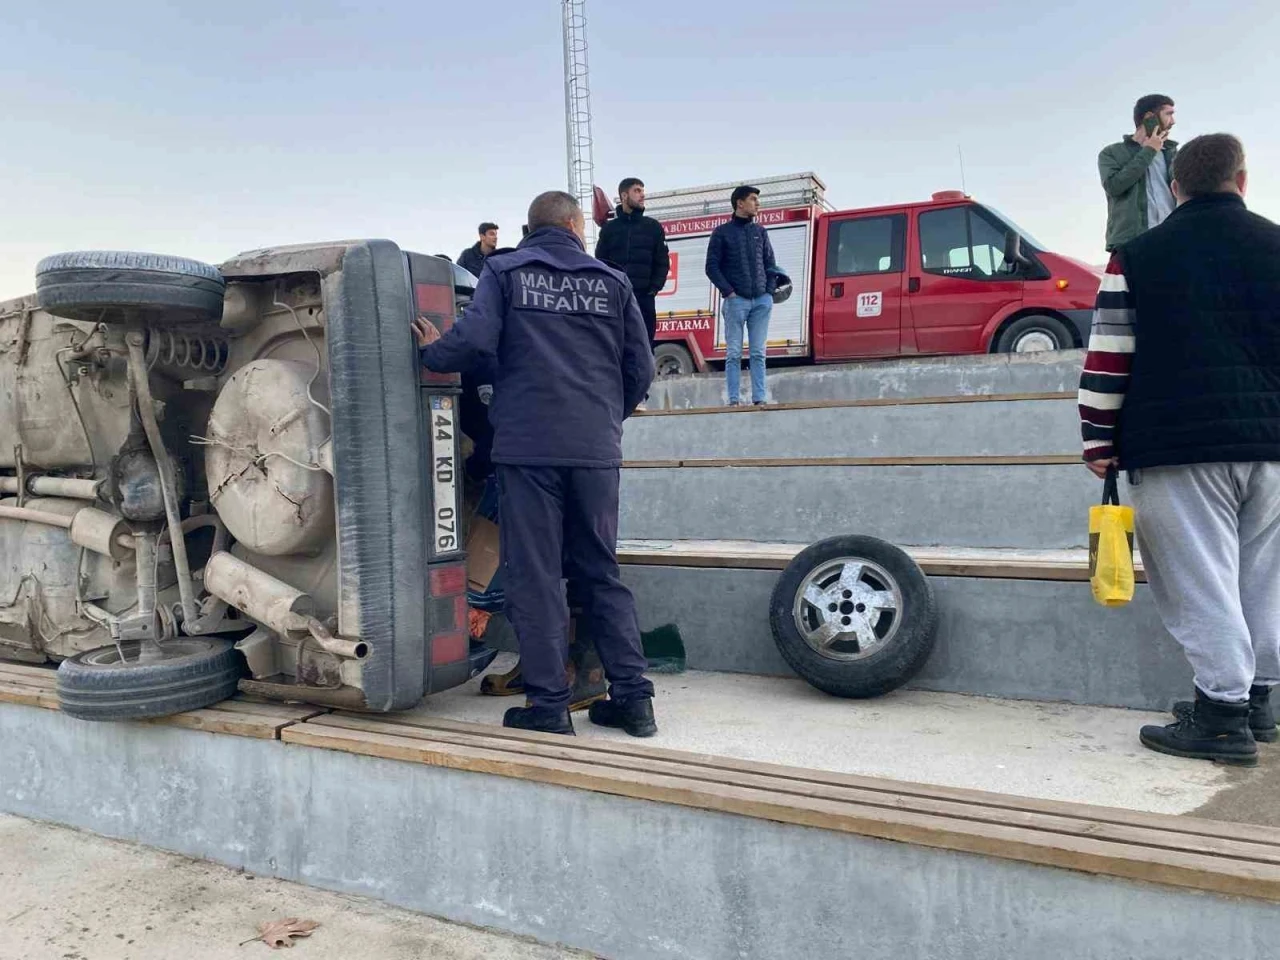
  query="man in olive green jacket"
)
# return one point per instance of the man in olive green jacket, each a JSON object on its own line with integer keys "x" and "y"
{"x": 1137, "y": 172}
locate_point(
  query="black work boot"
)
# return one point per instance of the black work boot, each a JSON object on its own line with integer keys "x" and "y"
{"x": 634, "y": 716}
{"x": 542, "y": 719}
{"x": 1213, "y": 730}
{"x": 1262, "y": 720}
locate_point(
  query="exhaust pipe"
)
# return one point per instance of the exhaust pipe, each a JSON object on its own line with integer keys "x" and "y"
{"x": 273, "y": 602}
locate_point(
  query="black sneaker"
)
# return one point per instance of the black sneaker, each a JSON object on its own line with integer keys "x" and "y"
{"x": 760, "y": 403}
{"x": 1213, "y": 730}
{"x": 542, "y": 719}
{"x": 634, "y": 716}
{"x": 1262, "y": 719}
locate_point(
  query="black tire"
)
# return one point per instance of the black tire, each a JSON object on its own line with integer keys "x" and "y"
{"x": 672, "y": 360}
{"x": 1037, "y": 326}
{"x": 96, "y": 685}
{"x": 907, "y": 646}
{"x": 118, "y": 287}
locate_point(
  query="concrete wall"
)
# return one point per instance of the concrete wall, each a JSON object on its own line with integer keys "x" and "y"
{"x": 1021, "y": 639}
{"x": 1033, "y": 507}
{"x": 626, "y": 879}
{"x": 1025, "y": 427}
{"x": 906, "y": 377}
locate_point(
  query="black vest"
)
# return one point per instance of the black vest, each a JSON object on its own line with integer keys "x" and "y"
{"x": 1205, "y": 385}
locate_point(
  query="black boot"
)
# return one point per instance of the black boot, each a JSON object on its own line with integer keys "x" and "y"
{"x": 1262, "y": 720}
{"x": 634, "y": 716}
{"x": 542, "y": 719}
{"x": 1213, "y": 730}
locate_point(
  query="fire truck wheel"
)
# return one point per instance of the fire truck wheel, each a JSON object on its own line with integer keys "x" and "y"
{"x": 672, "y": 360}
{"x": 855, "y": 616}
{"x": 191, "y": 673}
{"x": 109, "y": 286}
{"x": 1035, "y": 334}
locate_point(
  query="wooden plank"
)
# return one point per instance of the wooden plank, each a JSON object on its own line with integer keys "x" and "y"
{"x": 1181, "y": 824}
{"x": 994, "y": 460}
{"x": 1076, "y": 823}
{"x": 293, "y": 712}
{"x": 28, "y": 695}
{"x": 1193, "y": 870}
{"x": 836, "y": 404}
{"x": 27, "y": 670}
{"x": 1059, "y": 565}
{"x": 223, "y": 721}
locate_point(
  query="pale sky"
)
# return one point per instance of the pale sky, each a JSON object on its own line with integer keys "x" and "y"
{"x": 205, "y": 129}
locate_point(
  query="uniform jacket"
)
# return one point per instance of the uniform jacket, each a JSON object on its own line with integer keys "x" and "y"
{"x": 571, "y": 352}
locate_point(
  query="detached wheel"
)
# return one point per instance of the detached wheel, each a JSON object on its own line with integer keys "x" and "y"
{"x": 1035, "y": 335}
{"x": 111, "y": 286}
{"x": 672, "y": 360}
{"x": 191, "y": 673}
{"x": 854, "y": 616}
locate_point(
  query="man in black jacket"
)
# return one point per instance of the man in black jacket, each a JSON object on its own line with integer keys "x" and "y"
{"x": 472, "y": 259}
{"x": 637, "y": 246}
{"x": 1181, "y": 388}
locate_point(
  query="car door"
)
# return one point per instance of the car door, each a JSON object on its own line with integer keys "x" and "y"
{"x": 859, "y": 299}
{"x": 958, "y": 280}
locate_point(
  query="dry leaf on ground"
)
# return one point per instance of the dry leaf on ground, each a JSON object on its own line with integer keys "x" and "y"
{"x": 280, "y": 933}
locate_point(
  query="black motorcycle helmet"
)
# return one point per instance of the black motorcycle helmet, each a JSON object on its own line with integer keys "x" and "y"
{"x": 782, "y": 291}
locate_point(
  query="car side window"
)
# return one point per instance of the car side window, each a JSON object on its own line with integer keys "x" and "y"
{"x": 866, "y": 245}
{"x": 957, "y": 242}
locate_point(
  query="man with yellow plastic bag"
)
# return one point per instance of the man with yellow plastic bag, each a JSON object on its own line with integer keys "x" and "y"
{"x": 1181, "y": 388}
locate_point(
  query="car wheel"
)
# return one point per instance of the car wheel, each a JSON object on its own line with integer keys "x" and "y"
{"x": 1035, "y": 334}
{"x": 108, "y": 286}
{"x": 672, "y": 360}
{"x": 854, "y": 616}
{"x": 120, "y": 683}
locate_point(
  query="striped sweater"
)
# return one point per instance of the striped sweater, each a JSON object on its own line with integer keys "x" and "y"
{"x": 1106, "y": 367}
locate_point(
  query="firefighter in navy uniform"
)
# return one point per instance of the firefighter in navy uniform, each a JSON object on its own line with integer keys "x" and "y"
{"x": 573, "y": 361}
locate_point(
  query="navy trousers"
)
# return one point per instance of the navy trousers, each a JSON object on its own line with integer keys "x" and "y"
{"x": 557, "y": 523}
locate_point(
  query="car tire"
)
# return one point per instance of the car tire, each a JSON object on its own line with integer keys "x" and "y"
{"x": 196, "y": 672}
{"x": 892, "y": 646}
{"x": 110, "y": 286}
{"x": 1035, "y": 334}
{"x": 672, "y": 360}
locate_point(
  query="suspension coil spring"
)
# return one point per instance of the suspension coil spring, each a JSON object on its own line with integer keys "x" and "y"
{"x": 186, "y": 351}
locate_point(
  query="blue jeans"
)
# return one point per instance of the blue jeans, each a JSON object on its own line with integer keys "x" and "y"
{"x": 753, "y": 314}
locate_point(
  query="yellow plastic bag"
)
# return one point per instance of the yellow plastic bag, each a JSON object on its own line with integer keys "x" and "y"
{"x": 1111, "y": 547}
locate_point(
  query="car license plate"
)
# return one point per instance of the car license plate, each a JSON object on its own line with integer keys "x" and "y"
{"x": 446, "y": 526}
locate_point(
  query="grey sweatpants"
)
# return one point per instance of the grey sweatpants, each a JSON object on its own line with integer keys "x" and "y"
{"x": 1210, "y": 540}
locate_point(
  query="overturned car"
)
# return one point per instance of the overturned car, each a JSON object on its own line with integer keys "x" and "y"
{"x": 230, "y": 478}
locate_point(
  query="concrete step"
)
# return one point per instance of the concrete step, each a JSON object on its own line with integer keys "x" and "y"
{"x": 1015, "y": 624}
{"x": 1057, "y": 371}
{"x": 975, "y": 502}
{"x": 502, "y": 829}
{"x": 1021, "y": 424}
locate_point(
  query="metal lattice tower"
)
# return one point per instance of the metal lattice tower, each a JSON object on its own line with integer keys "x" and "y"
{"x": 577, "y": 109}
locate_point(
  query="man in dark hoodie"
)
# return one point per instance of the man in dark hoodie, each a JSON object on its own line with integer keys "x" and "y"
{"x": 572, "y": 362}
{"x": 472, "y": 259}
{"x": 637, "y": 246}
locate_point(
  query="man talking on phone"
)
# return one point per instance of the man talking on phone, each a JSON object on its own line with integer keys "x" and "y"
{"x": 1137, "y": 172}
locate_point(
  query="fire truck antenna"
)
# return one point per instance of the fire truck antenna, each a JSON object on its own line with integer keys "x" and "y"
{"x": 960, "y": 153}
{"x": 577, "y": 109}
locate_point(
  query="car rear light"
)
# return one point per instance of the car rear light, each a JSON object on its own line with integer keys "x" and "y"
{"x": 435, "y": 305}
{"x": 449, "y": 579}
{"x": 450, "y": 640}
{"x": 449, "y": 647}
{"x": 1063, "y": 284}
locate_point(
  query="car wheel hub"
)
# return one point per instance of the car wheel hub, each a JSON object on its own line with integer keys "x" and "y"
{"x": 848, "y": 609}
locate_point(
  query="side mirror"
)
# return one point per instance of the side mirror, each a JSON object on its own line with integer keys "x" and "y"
{"x": 1013, "y": 257}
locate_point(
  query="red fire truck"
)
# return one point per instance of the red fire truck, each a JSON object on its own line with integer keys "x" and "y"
{"x": 946, "y": 276}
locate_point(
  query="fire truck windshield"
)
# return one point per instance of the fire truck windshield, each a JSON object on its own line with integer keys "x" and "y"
{"x": 1027, "y": 239}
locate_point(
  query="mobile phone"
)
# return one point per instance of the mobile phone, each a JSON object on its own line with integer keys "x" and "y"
{"x": 1150, "y": 123}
